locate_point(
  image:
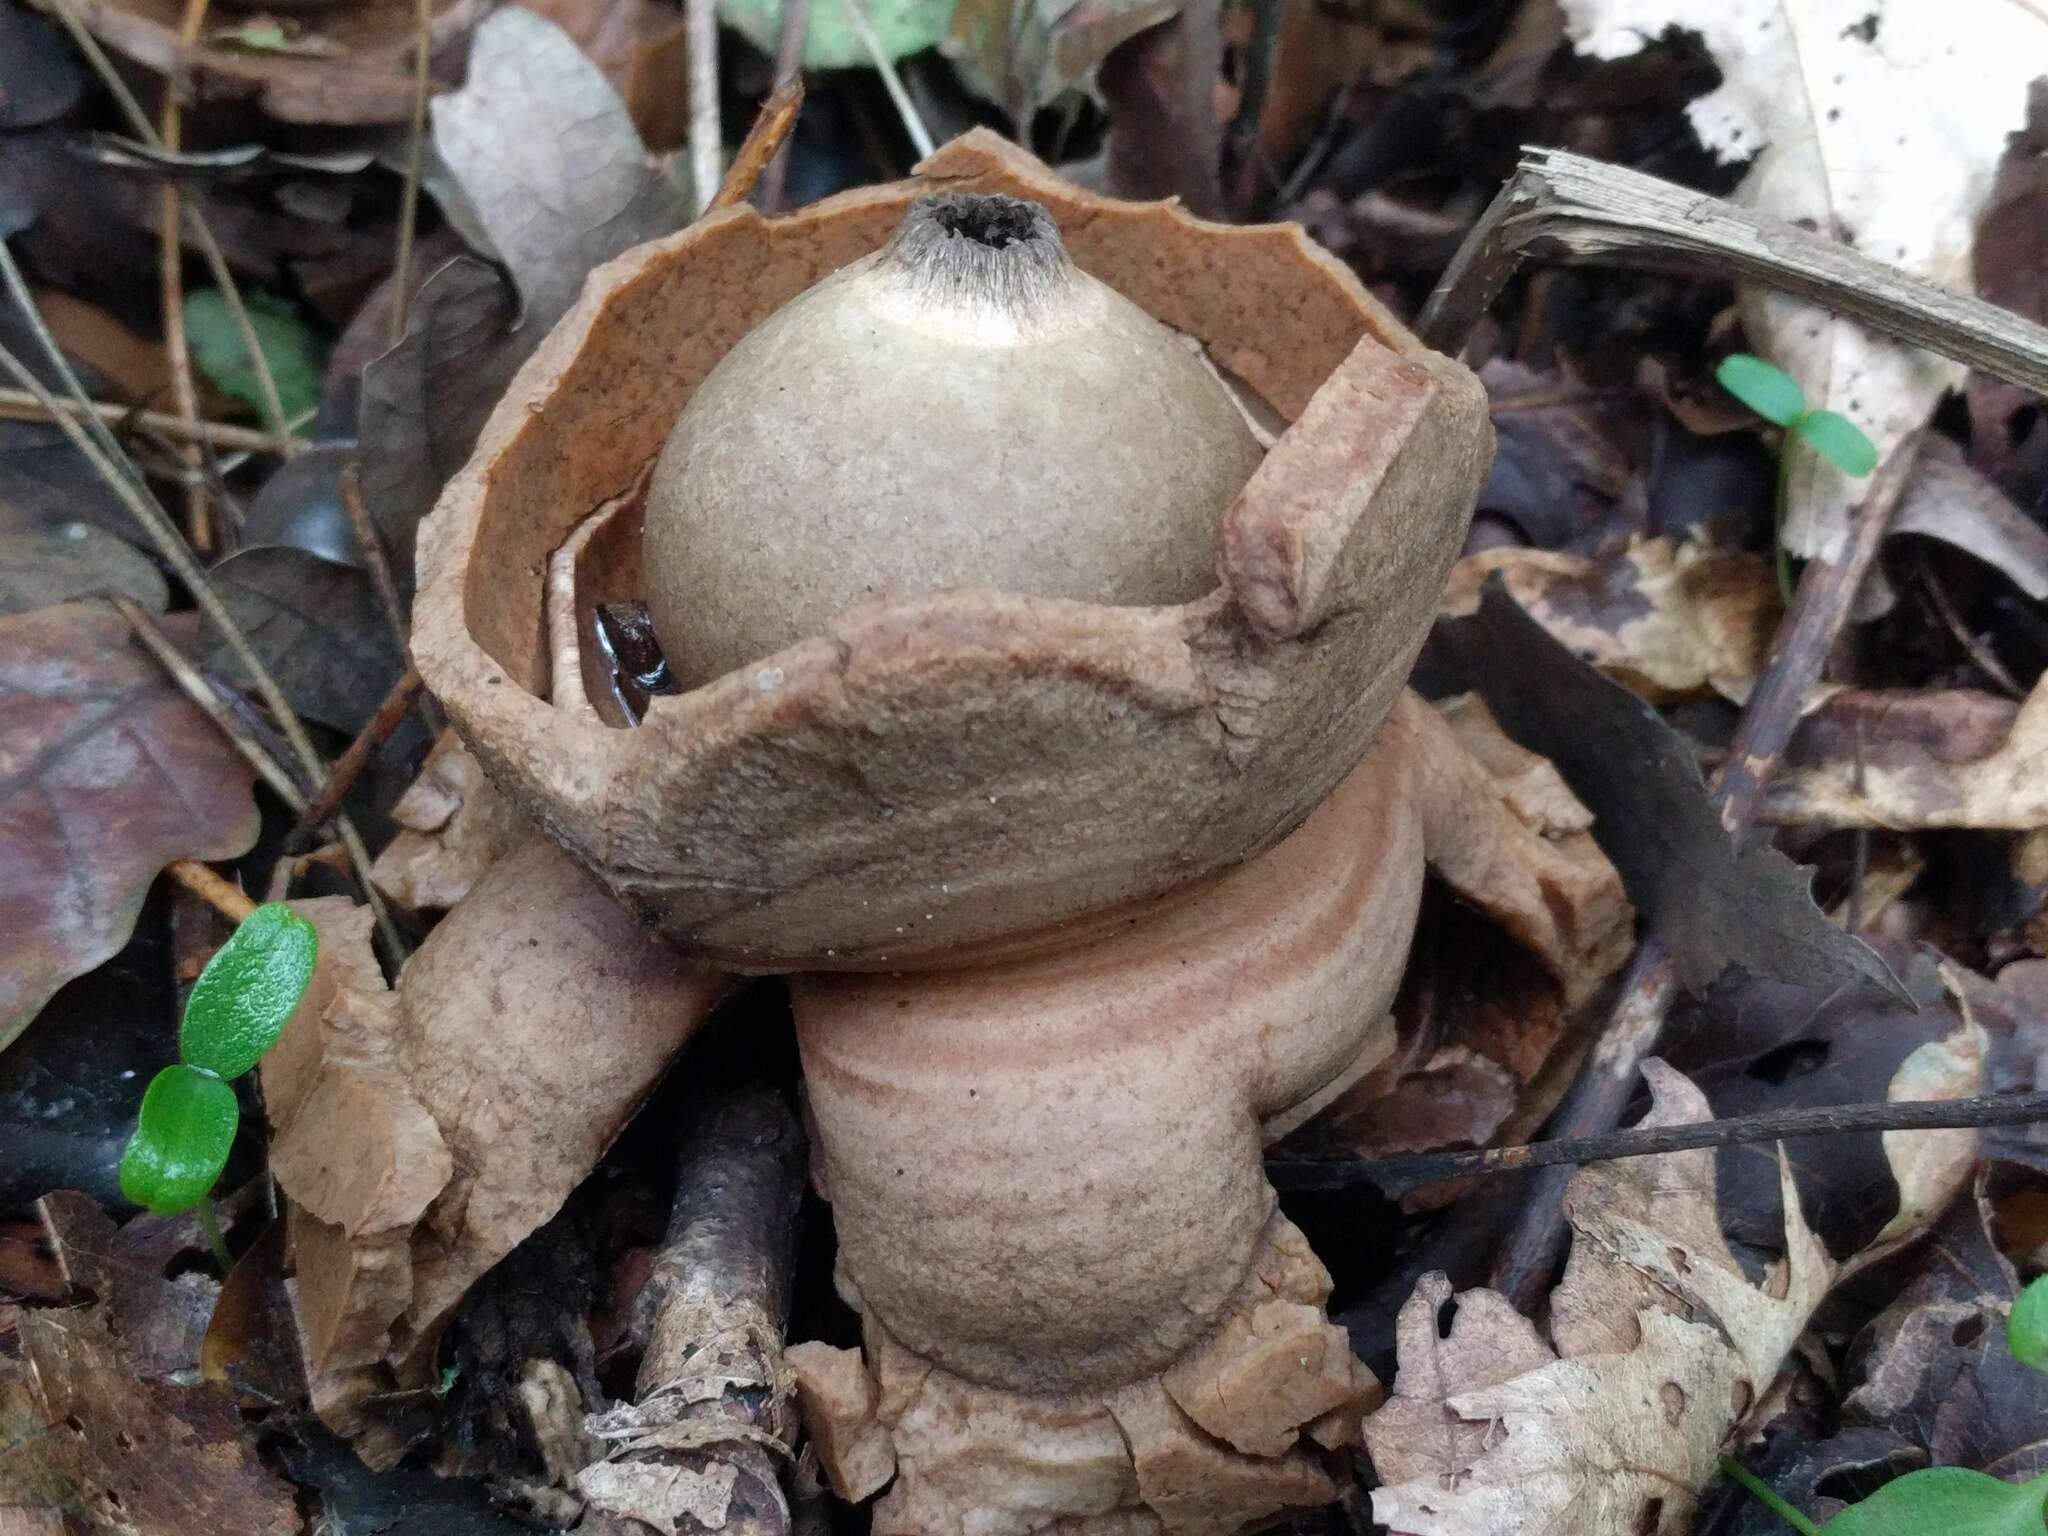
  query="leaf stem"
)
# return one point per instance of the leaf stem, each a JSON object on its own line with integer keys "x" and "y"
{"x": 1765, "y": 1495}
{"x": 209, "y": 1223}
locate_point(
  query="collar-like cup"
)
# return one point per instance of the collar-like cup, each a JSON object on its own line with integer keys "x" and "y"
{"x": 941, "y": 777}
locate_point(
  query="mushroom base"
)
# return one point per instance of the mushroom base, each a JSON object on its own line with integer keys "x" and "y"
{"x": 1239, "y": 1427}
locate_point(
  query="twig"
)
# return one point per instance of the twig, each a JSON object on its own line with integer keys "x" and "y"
{"x": 1243, "y": 138}
{"x": 920, "y": 136}
{"x": 1937, "y": 598}
{"x": 1594, "y": 1104}
{"x": 349, "y": 766}
{"x": 789, "y": 65}
{"x": 762, "y": 144}
{"x": 1564, "y": 207}
{"x": 375, "y": 559}
{"x": 209, "y": 248}
{"x": 1397, "y": 1175}
{"x": 209, "y": 887}
{"x": 415, "y": 154}
{"x": 20, "y": 405}
{"x": 707, "y": 154}
{"x": 712, "y": 1395}
{"x": 201, "y": 692}
{"x": 184, "y": 396}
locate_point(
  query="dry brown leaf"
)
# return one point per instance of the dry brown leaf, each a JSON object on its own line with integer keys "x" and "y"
{"x": 152, "y": 1458}
{"x": 367, "y": 79}
{"x": 1414, "y": 1435}
{"x": 454, "y": 825}
{"x": 1023, "y": 53}
{"x": 470, "y": 1102}
{"x": 1665, "y": 1345}
{"x": 1666, "y": 622}
{"x": 1913, "y": 759}
{"x": 1932, "y": 1168}
{"x": 107, "y": 774}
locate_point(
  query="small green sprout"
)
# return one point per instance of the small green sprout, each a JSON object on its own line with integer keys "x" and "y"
{"x": 2026, "y": 1326}
{"x": 1955, "y": 1501}
{"x": 1776, "y": 396}
{"x": 237, "y": 1009}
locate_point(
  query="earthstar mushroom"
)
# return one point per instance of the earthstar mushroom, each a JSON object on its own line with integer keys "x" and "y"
{"x": 1091, "y": 877}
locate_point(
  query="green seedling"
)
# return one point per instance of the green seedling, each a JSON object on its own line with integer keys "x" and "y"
{"x": 2026, "y": 1326}
{"x": 237, "y": 1009}
{"x": 1776, "y": 396}
{"x": 1955, "y": 1501}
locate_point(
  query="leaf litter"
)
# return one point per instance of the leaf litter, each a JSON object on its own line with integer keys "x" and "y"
{"x": 1626, "y": 520}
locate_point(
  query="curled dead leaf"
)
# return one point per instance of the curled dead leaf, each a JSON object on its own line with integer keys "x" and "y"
{"x": 1668, "y": 622}
{"x": 476, "y": 1095}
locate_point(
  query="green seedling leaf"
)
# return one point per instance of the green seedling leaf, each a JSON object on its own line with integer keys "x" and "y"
{"x": 1951, "y": 1501}
{"x": 2026, "y": 1328}
{"x": 181, "y": 1140}
{"x": 1838, "y": 440}
{"x": 1769, "y": 391}
{"x": 833, "y": 42}
{"x": 296, "y": 353}
{"x": 248, "y": 990}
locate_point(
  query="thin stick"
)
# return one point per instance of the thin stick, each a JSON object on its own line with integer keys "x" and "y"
{"x": 1564, "y": 207}
{"x": 202, "y": 692}
{"x": 20, "y": 405}
{"x": 1606, "y": 1082}
{"x": 195, "y": 687}
{"x": 415, "y": 155}
{"x": 707, "y": 154}
{"x": 209, "y": 248}
{"x": 170, "y": 232}
{"x": 375, "y": 559}
{"x": 789, "y": 65}
{"x": 920, "y": 136}
{"x": 227, "y": 900}
{"x": 349, "y": 766}
{"x": 762, "y": 144}
{"x": 1395, "y": 1176}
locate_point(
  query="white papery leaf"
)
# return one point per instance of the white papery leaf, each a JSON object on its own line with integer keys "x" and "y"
{"x": 1876, "y": 122}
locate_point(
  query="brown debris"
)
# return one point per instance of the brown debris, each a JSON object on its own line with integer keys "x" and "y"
{"x": 142, "y": 1454}
{"x": 454, "y": 825}
{"x": 1669, "y": 622}
{"x": 469, "y": 1123}
{"x": 363, "y": 76}
{"x": 1916, "y": 759}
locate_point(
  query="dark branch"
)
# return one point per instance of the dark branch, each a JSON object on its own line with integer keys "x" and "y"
{"x": 1395, "y": 1176}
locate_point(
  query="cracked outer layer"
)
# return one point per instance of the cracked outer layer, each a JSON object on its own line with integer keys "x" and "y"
{"x": 1047, "y": 1184}
{"x": 967, "y": 773}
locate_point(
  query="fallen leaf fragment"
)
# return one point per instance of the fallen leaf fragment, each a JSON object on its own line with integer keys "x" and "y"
{"x": 1667, "y": 622}
{"x": 453, "y": 826}
{"x": 1664, "y": 1345}
{"x": 1025, "y": 53}
{"x": 1911, "y": 759}
{"x": 1712, "y": 903}
{"x": 551, "y": 172}
{"x": 107, "y": 773}
{"x": 421, "y": 1134}
{"x": 1838, "y": 104}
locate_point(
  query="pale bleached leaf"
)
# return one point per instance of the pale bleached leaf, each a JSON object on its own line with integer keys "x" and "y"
{"x": 1875, "y": 122}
